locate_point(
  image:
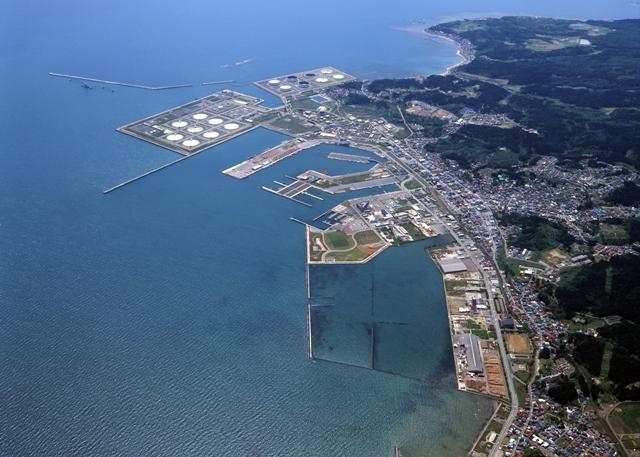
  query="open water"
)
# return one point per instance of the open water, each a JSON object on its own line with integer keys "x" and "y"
{"x": 169, "y": 318}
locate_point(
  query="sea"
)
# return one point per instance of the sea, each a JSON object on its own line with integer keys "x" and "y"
{"x": 169, "y": 318}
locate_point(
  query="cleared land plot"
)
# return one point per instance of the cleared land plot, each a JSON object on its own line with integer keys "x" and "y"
{"x": 354, "y": 255}
{"x": 316, "y": 247}
{"x": 554, "y": 256}
{"x": 367, "y": 237}
{"x": 551, "y": 43}
{"x": 518, "y": 343}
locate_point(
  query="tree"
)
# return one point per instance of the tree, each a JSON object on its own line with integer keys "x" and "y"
{"x": 533, "y": 452}
{"x": 563, "y": 392}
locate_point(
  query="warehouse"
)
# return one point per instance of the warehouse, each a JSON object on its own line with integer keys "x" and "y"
{"x": 452, "y": 265}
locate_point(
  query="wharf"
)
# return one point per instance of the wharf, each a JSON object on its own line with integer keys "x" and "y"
{"x": 349, "y": 157}
{"x": 267, "y": 158}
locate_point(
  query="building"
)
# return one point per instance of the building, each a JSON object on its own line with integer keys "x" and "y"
{"x": 508, "y": 324}
{"x": 471, "y": 344}
{"x": 452, "y": 265}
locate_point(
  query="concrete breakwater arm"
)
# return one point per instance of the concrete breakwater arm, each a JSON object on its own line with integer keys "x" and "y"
{"x": 116, "y": 83}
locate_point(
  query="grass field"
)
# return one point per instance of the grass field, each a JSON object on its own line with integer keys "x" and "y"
{"x": 625, "y": 419}
{"x": 342, "y": 248}
{"x": 483, "y": 446}
{"x": 518, "y": 343}
{"x": 613, "y": 234}
{"x": 521, "y": 392}
{"x": 480, "y": 333}
{"x": 292, "y": 124}
{"x": 414, "y": 231}
{"x": 412, "y": 184}
{"x": 367, "y": 237}
{"x": 606, "y": 360}
{"x": 590, "y": 322}
{"x": 522, "y": 375}
{"x": 511, "y": 266}
{"x": 455, "y": 288}
{"x": 471, "y": 324}
{"x": 631, "y": 443}
{"x": 563, "y": 441}
{"x": 305, "y": 104}
{"x": 337, "y": 240}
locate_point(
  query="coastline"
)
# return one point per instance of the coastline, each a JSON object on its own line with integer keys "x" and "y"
{"x": 465, "y": 49}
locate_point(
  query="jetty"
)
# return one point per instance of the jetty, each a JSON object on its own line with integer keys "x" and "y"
{"x": 309, "y": 333}
{"x": 117, "y": 83}
{"x": 293, "y": 219}
{"x": 129, "y": 181}
{"x": 225, "y": 81}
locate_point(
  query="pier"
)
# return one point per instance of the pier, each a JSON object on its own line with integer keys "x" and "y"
{"x": 292, "y": 190}
{"x": 117, "y": 83}
{"x": 285, "y": 196}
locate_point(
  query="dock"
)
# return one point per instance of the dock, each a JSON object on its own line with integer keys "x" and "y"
{"x": 349, "y": 157}
{"x": 117, "y": 83}
{"x": 267, "y": 158}
{"x": 292, "y": 190}
{"x": 281, "y": 194}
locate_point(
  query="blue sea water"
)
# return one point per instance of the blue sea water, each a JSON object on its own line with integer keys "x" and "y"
{"x": 169, "y": 317}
